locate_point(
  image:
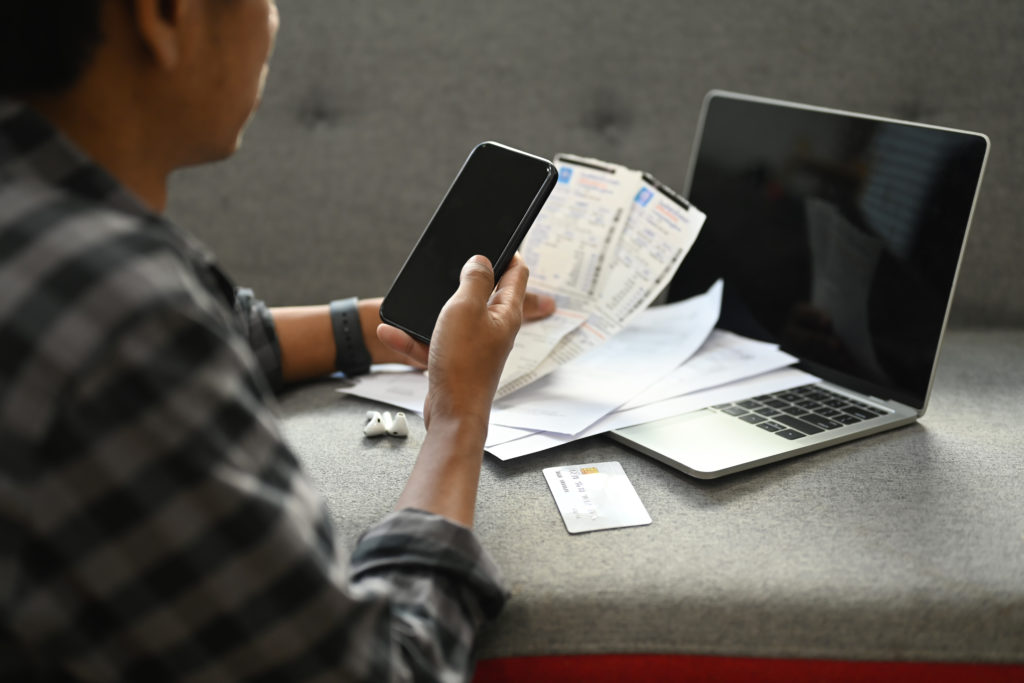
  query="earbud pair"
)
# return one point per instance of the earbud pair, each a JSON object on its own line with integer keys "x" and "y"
{"x": 378, "y": 425}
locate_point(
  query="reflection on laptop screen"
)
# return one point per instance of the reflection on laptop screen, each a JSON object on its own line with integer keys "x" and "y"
{"x": 839, "y": 237}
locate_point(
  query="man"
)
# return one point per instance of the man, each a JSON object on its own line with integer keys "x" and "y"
{"x": 155, "y": 526}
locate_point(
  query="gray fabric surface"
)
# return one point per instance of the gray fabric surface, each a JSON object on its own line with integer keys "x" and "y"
{"x": 371, "y": 106}
{"x": 906, "y": 545}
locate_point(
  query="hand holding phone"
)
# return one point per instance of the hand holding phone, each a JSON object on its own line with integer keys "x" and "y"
{"x": 487, "y": 210}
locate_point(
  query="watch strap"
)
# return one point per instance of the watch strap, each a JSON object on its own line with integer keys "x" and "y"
{"x": 351, "y": 354}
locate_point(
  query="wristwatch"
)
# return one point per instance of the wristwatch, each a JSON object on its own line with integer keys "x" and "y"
{"x": 351, "y": 355}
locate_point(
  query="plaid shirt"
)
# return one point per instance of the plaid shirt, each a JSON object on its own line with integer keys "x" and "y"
{"x": 154, "y": 525}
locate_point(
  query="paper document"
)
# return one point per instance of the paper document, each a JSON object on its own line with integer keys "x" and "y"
{"x": 725, "y": 368}
{"x": 589, "y": 386}
{"x": 607, "y": 242}
{"x": 537, "y": 339}
{"x": 777, "y": 380}
{"x": 405, "y": 389}
{"x": 725, "y": 357}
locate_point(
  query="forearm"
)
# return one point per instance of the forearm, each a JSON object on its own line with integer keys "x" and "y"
{"x": 445, "y": 477}
{"x": 307, "y": 340}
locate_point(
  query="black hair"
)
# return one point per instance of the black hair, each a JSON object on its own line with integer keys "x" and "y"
{"x": 46, "y": 44}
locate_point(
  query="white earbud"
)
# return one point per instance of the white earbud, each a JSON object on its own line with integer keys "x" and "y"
{"x": 398, "y": 426}
{"x": 374, "y": 425}
{"x": 377, "y": 424}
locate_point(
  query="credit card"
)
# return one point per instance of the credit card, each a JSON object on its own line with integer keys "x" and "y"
{"x": 595, "y": 496}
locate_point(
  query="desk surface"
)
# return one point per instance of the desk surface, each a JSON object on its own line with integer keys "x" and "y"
{"x": 903, "y": 546}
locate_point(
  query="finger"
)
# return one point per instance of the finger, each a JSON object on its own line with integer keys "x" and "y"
{"x": 537, "y": 306}
{"x": 400, "y": 342}
{"x": 476, "y": 279}
{"x": 511, "y": 290}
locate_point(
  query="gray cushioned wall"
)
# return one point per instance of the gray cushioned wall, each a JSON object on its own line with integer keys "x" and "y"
{"x": 372, "y": 105}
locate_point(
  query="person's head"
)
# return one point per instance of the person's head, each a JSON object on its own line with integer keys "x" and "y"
{"x": 195, "y": 68}
{"x": 45, "y": 45}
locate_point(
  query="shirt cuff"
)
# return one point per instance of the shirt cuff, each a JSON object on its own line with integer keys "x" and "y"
{"x": 261, "y": 333}
{"x": 415, "y": 541}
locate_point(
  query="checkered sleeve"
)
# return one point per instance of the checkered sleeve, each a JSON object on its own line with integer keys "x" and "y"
{"x": 399, "y": 558}
{"x": 172, "y": 536}
{"x": 259, "y": 328}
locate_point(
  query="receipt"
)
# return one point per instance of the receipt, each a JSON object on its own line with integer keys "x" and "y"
{"x": 536, "y": 340}
{"x": 658, "y": 234}
{"x": 607, "y": 242}
{"x": 572, "y": 238}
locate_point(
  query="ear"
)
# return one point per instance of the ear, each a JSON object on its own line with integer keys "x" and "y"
{"x": 160, "y": 25}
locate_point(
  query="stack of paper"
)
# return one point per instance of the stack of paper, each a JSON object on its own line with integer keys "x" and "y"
{"x": 607, "y": 242}
{"x": 667, "y": 361}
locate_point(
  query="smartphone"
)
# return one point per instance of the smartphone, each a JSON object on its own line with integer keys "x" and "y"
{"x": 487, "y": 210}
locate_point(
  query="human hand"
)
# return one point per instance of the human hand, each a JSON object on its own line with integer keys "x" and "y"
{"x": 405, "y": 350}
{"x": 471, "y": 340}
{"x": 380, "y": 352}
{"x": 537, "y": 306}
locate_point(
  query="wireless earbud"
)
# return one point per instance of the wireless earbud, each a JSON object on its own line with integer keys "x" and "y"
{"x": 374, "y": 425}
{"x": 377, "y": 424}
{"x": 398, "y": 426}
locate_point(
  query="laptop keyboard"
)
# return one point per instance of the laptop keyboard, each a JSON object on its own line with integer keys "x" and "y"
{"x": 796, "y": 413}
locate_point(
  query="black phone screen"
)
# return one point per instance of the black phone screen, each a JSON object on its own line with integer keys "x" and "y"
{"x": 487, "y": 210}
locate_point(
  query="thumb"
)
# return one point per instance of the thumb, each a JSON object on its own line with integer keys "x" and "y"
{"x": 477, "y": 278}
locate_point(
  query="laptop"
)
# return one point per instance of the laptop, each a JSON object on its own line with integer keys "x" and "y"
{"x": 839, "y": 237}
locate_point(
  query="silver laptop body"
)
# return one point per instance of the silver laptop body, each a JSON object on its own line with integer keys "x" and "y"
{"x": 839, "y": 236}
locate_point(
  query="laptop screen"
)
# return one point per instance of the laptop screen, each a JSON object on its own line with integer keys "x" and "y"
{"x": 838, "y": 236}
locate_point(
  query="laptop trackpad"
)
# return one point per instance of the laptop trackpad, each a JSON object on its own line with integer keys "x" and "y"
{"x": 705, "y": 441}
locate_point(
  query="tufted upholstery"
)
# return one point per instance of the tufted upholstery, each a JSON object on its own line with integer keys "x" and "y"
{"x": 373, "y": 104}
